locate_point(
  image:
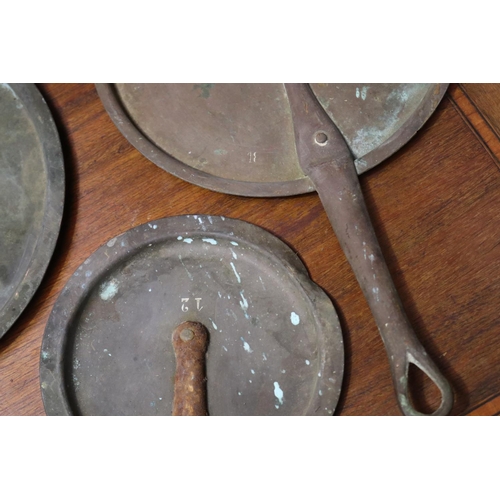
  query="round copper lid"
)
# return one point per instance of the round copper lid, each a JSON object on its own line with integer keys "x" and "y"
{"x": 31, "y": 196}
{"x": 275, "y": 344}
{"x": 239, "y": 138}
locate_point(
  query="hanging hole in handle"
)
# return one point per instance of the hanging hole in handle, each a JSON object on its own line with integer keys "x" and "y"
{"x": 424, "y": 394}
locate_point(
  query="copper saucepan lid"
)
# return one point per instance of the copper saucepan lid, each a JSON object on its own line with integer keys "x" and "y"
{"x": 31, "y": 196}
{"x": 274, "y": 339}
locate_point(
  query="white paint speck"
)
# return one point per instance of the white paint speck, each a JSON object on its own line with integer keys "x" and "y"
{"x": 308, "y": 362}
{"x": 244, "y": 304}
{"x": 361, "y": 93}
{"x": 246, "y": 346}
{"x": 234, "y": 254}
{"x": 278, "y": 393}
{"x": 214, "y": 325}
{"x": 188, "y": 240}
{"x": 234, "y": 243}
{"x": 109, "y": 289}
{"x": 264, "y": 357}
{"x": 262, "y": 283}
{"x": 210, "y": 240}
{"x": 179, "y": 238}
{"x": 235, "y": 272}
{"x": 371, "y": 257}
{"x": 253, "y": 372}
{"x": 239, "y": 393}
{"x": 294, "y": 318}
{"x": 185, "y": 268}
{"x": 111, "y": 242}
{"x": 320, "y": 392}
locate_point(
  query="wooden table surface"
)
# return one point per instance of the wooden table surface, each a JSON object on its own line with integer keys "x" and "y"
{"x": 435, "y": 206}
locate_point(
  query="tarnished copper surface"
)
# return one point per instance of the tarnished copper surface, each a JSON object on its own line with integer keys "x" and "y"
{"x": 340, "y": 130}
{"x": 239, "y": 138}
{"x": 275, "y": 345}
{"x": 325, "y": 157}
{"x": 31, "y": 196}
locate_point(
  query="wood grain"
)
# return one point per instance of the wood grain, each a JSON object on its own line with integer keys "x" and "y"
{"x": 435, "y": 206}
{"x": 484, "y": 97}
{"x": 473, "y": 114}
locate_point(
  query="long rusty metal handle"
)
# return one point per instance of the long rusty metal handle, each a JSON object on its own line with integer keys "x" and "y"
{"x": 190, "y": 341}
{"x": 326, "y": 159}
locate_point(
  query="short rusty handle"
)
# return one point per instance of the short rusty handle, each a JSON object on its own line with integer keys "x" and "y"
{"x": 190, "y": 341}
{"x": 326, "y": 159}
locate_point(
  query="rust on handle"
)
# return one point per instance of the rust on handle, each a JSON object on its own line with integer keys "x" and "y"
{"x": 326, "y": 159}
{"x": 190, "y": 341}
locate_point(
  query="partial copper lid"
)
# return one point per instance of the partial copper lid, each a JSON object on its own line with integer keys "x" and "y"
{"x": 31, "y": 196}
{"x": 275, "y": 344}
{"x": 239, "y": 138}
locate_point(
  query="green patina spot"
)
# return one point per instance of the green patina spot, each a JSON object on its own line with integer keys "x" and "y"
{"x": 324, "y": 101}
{"x": 205, "y": 89}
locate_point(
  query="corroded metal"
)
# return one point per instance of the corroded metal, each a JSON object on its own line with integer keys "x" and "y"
{"x": 190, "y": 342}
{"x": 282, "y": 139}
{"x": 239, "y": 138}
{"x": 275, "y": 344}
{"x": 375, "y": 120}
{"x": 31, "y": 196}
{"x": 329, "y": 164}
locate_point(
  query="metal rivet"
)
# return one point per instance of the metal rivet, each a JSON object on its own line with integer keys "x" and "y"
{"x": 186, "y": 335}
{"x": 321, "y": 138}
